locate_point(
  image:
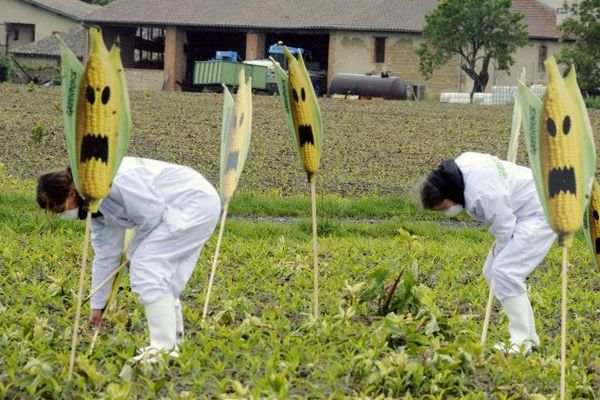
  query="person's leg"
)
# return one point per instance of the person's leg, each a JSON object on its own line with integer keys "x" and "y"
{"x": 529, "y": 245}
{"x": 164, "y": 261}
{"x": 161, "y": 318}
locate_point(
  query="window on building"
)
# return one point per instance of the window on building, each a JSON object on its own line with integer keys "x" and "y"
{"x": 33, "y": 35}
{"x": 543, "y": 54}
{"x": 379, "y": 49}
{"x": 149, "y": 47}
{"x": 16, "y": 34}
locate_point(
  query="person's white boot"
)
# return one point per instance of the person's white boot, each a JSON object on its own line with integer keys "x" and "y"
{"x": 161, "y": 316}
{"x": 178, "y": 323}
{"x": 521, "y": 325}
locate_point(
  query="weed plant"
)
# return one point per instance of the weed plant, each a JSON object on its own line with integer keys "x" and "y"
{"x": 402, "y": 301}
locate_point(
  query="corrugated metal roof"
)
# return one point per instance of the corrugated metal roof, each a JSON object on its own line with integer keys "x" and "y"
{"x": 361, "y": 15}
{"x": 48, "y": 47}
{"x": 74, "y": 9}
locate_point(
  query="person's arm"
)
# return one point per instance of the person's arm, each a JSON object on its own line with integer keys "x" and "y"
{"x": 107, "y": 241}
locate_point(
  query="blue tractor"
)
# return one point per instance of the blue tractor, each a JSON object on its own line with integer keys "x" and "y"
{"x": 316, "y": 77}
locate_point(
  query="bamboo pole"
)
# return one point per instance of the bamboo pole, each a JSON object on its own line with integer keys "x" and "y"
{"x": 563, "y": 324}
{"x": 513, "y": 147}
{"x": 88, "y": 224}
{"x": 313, "y": 195}
{"x": 104, "y": 282}
{"x": 215, "y": 261}
{"x": 488, "y": 314}
{"x": 95, "y": 338}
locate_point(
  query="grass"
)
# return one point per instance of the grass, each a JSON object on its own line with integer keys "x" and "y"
{"x": 592, "y": 102}
{"x": 260, "y": 342}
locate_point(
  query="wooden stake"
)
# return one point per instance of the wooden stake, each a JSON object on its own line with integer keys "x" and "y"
{"x": 88, "y": 225}
{"x": 563, "y": 324}
{"x": 513, "y": 147}
{"x": 313, "y": 195}
{"x": 215, "y": 261}
{"x": 488, "y": 314}
{"x": 94, "y": 338}
{"x": 104, "y": 282}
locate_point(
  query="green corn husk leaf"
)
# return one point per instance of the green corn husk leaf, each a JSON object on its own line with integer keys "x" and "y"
{"x": 236, "y": 133}
{"x": 71, "y": 73}
{"x": 124, "y": 123}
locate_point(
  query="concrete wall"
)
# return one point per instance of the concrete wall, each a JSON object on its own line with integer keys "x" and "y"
{"x": 20, "y": 12}
{"x": 144, "y": 79}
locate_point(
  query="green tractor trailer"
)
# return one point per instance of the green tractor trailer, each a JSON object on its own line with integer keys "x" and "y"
{"x": 225, "y": 68}
{"x": 226, "y": 65}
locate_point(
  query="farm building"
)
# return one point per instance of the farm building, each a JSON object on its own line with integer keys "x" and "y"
{"x": 26, "y": 29}
{"x": 26, "y": 21}
{"x": 162, "y": 39}
{"x": 342, "y": 36}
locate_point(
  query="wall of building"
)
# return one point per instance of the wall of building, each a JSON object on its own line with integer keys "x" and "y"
{"x": 144, "y": 79}
{"x": 556, "y": 4}
{"x": 20, "y": 12}
{"x": 530, "y": 58}
{"x": 40, "y": 69}
{"x": 354, "y": 52}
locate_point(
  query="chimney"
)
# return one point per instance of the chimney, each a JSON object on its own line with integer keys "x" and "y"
{"x": 561, "y": 15}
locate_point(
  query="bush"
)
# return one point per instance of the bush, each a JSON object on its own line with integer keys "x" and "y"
{"x": 592, "y": 102}
{"x": 7, "y": 69}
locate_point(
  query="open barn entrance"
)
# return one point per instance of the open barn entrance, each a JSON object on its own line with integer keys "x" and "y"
{"x": 316, "y": 54}
{"x": 203, "y": 45}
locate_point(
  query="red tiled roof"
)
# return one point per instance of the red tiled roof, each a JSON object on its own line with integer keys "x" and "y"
{"x": 357, "y": 15}
{"x": 540, "y": 20}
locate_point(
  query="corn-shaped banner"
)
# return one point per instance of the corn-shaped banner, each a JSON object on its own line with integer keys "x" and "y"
{"x": 97, "y": 120}
{"x": 235, "y": 135}
{"x": 592, "y": 224}
{"x": 562, "y": 166}
{"x": 304, "y": 117}
{"x": 561, "y": 150}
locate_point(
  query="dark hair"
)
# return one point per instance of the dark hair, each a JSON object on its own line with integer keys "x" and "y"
{"x": 53, "y": 188}
{"x": 431, "y": 196}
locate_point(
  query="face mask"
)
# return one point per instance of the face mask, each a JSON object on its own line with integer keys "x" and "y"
{"x": 70, "y": 214}
{"x": 453, "y": 211}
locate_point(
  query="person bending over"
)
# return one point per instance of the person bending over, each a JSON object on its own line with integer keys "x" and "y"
{"x": 173, "y": 210}
{"x": 503, "y": 196}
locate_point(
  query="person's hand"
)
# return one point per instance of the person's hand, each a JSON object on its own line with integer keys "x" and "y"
{"x": 96, "y": 317}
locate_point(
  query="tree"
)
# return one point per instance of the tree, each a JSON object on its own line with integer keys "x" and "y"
{"x": 583, "y": 25}
{"x": 479, "y": 31}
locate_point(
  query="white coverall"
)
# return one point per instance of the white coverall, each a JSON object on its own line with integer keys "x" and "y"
{"x": 502, "y": 195}
{"x": 173, "y": 210}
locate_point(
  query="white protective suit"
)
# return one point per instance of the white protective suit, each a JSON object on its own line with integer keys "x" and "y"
{"x": 174, "y": 211}
{"x": 502, "y": 195}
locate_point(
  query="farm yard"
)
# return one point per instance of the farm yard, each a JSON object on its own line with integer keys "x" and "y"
{"x": 259, "y": 340}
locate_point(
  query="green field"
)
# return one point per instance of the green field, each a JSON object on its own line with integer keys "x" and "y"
{"x": 259, "y": 341}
